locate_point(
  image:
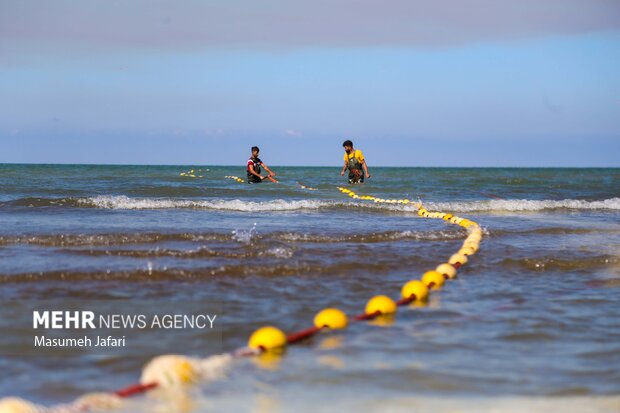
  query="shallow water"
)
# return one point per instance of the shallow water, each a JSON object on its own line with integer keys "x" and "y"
{"x": 533, "y": 317}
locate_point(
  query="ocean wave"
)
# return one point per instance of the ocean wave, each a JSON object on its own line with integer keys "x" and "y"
{"x": 120, "y": 238}
{"x": 520, "y": 205}
{"x": 283, "y": 268}
{"x": 517, "y": 205}
{"x": 75, "y": 240}
{"x": 124, "y": 202}
{"x": 129, "y": 203}
{"x": 553, "y": 263}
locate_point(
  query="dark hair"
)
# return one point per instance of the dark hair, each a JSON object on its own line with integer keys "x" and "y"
{"x": 347, "y": 143}
{"x": 255, "y": 148}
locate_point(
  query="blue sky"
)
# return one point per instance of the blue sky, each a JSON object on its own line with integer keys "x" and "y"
{"x": 426, "y": 86}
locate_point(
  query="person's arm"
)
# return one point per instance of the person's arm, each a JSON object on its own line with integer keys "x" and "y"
{"x": 271, "y": 173}
{"x": 344, "y": 168}
{"x": 365, "y": 168}
{"x": 253, "y": 172}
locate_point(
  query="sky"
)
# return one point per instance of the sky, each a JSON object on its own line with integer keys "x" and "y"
{"x": 411, "y": 82}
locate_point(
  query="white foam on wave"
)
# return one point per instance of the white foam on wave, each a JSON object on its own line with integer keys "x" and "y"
{"x": 124, "y": 202}
{"x": 495, "y": 205}
{"x": 518, "y": 205}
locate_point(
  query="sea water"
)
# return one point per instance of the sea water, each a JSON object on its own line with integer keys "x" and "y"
{"x": 532, "y": 322}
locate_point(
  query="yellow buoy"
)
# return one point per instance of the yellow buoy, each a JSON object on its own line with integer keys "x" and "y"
{"x": 473, "y": 237}
{"x": 476, "y": 232}
{"x": 331, "y": 318}
{"x": 446, "y": 270}
{"x": 267, "y": 338}
{"x": 17, "y": 405}
{"x": 458, "y": 259}
{"x": 475, "y": 242}
{"x": 433, "y": 278}
{"x": 472, "y": 240}
{"x": 169, "y": 371}
{"x": 467, "y": 250}
{"x": 98, "y": 402}
{"x": 447, "y": 217}
{"x": 471, "y": 244}
{"x": 415, "y": 288}
{"x": 381, "y": 303}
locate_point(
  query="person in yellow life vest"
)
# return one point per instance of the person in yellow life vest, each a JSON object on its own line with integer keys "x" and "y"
{"x": 356, "y": 164}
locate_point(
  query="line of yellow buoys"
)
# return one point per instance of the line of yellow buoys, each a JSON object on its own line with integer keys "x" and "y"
{"x": 192, "y": 173}
{"x": 177, "y": 371}
{"x": 269, "y": 338}
{"x": 235, "y": 178}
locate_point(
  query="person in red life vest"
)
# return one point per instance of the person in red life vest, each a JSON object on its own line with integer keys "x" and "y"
{"x": 254, "y": 168}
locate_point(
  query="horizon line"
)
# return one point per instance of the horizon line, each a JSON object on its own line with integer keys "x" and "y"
{"x": 312, "y": 166}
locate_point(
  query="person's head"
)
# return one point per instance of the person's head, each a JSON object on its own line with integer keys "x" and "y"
{"x": 255, "y": 151}
{"x": 347, "y": 145}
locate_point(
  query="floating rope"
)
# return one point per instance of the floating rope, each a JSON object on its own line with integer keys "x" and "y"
{"x": 235, "y": 178}
{"x": 302, "y": 186}
{"x": 176, "y": 371}
{"x": 192, "y": 173}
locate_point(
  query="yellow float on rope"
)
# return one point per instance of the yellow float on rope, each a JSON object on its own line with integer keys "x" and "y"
{"x": 415, "y": 288}
{"x": 475, "y": 246}
{"x": 447, "y": 270}
{"x": 169, "y": 370}
{"x": 458, "y": 259}
{"x": 332, "y": 318}
{"x": 17, "y": 405}
{"x": 433, "y": 279}
{"x": 467, "y": 250}
{"x": 473, "y": 238}
{"x": 477, "y": 231}
{"x": 475, "y": 235}
{"x": 381, "y": 303}
{"x": 267, "y": 338}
